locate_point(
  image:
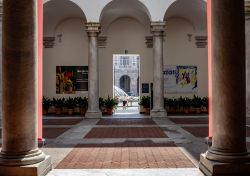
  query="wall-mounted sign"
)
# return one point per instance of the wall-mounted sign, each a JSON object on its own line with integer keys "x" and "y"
{"x": 70, "y": 79}
{"x": 145, "y": 88}
{"x": 180, "y": 79}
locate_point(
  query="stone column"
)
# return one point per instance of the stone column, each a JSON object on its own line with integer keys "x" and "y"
{"x": 20, "y": 154}
{"x": 247, "y": 26}
{"x": 228, "y": 154}
{"x": 93, "y": 30}
{"x": 158, "y": 28}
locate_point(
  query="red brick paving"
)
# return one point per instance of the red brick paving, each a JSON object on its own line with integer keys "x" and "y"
{"x": 61, "y": 121}
{"x": 53, "y": 132}
{"x": 127, "y": 132}
{"x": 125, "y": 155}
{"x": 126, "y": 121}
{"x": 189, "y": 120}
{"x": 197, "y": 131}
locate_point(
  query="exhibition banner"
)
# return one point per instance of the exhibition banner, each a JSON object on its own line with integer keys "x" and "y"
{"x": 70, "y": 79}
{"x": 180, "y": 79}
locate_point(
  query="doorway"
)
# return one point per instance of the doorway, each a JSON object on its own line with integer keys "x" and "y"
{"x": 126, "y": 78}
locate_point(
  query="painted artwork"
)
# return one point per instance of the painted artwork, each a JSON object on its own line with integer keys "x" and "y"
{"x": 70, "y": 79}
{"x": 180, "y": 79}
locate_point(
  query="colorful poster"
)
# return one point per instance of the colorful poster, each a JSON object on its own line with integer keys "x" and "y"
{"x": 180, "y": 79}
{"x": 70, "y": 79}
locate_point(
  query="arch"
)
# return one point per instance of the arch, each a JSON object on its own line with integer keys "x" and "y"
{"x": 124, "y": 8}
{"x": 125, "y": 81}
{"x": 193, "y": 11}
{"x": 56, "y": 11}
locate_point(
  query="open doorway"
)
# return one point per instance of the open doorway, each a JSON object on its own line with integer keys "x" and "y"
{"x": 126, "y": 77}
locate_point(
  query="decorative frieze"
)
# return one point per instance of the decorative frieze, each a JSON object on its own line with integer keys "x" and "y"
{"x": 201, "y": 41}
{"x": 149, "y": 41}
{"x": 158, "y": 28}
{"x": 93, "y": 29}
{"x": 102, "y": 41}
{"x": 48, "y": 42}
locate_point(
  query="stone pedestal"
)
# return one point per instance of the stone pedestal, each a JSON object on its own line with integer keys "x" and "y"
{"x": 93, "y": 30}
{"x": 228, "y": 154}
{"x": 157, "y": 29}
{"x": 20, "y": 154}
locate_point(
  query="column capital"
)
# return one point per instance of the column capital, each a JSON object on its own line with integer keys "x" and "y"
{"x": 93, "y": 29}
{"x": 158, "y": 27}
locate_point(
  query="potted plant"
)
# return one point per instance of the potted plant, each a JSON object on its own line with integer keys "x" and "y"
{"x": 197, "y": 103}
{"x": 204, "y": 107}
{"x": 77, "y": 106}
{"x": 186, "y": 105}
{"x": 70, "y": 105}
{"x": 58, "y": 106}
{"x": 180, "y": 104}
{"x": 110, "y": 104}
{"x": 64, "y": 106}
{"x": 145, "y": 102}
{"x": 46, "y": 105}
{"x": 83, "y": 104}
{"x": 102, "y": 105}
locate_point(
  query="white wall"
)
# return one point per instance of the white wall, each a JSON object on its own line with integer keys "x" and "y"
{"x": 72, "y": 51}
{"x": 178, "y": 50}
{"x": 124, "y": 34}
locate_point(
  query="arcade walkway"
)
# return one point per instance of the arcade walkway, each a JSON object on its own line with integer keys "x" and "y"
{"x": 162, "y": 146}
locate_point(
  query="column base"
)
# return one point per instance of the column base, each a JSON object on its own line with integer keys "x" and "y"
{"x": 213, "y": 168}
{"x": 158, "y": 113}
{"x": 93, "y": 114}
{"x": 39, "y": 169}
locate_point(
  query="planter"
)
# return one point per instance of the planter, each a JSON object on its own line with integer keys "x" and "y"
{"x": 45, "y": 111}
{"x": 192, "y": 109}
{"x": 142, "y": 110}
{"x": 83, "y": 111}
{"x": 197, "y": 110}
{"x": 204, "y": 109}
{"x": 64, "y": 110}
{"x": 109, "y": 111}
{"x": 147, "y": 110}
{"x": 185, "y": 110}
{"x": 70, "y": 111}
{"x": 181, "y": 109}
{"x": 58, "y": 111}
{"x": 52, "y": 110}
{"x": 76, "y": 110}
{"x": 172, "y": 110}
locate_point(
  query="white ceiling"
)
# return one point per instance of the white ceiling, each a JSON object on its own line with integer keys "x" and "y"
{"x": 194, "y": 11}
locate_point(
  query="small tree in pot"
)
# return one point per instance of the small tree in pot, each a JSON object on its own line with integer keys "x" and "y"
{"x": 70, "y": 105}
{"x": 46, "y": 105}
{"x": 145, "y": 102}
{"x": 83, "y": 103}
{"x": 110, "y": 104}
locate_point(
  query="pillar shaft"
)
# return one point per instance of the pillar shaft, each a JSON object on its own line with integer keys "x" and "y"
{"x": 93, "y": 111}
{"x": 228, "y": 91}
{"x": 19, "y": 128}
{"x": 158, "y": 110}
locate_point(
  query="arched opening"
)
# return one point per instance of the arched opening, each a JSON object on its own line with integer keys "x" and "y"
{"x": 125, "y": 83}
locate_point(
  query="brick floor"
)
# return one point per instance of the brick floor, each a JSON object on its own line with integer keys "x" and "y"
{"x": 189, "y": 120}
{"x": 197, "y": 131}
{"x": 126, "y": 121}
{"x": 61, "y": 121}
{"x": 53, "y": 132}
{"x": 127, "y": 132}
{"x": 125, "y": 155}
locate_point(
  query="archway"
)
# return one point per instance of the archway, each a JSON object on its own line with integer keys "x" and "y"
{"x": 125, "y": 83}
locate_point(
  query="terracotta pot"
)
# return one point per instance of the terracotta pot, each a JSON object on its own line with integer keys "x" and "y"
{"x": 204, "y": 109}
{"x": 186, "y": 110}
{"x": 45, "y": 111}
{"x": 181, "y": 109}
{"x": 64, "y": 110}
{"x": 70, "y": 111}
{"x": 82, "y": 111}
{"x": 197, "y": 110}
{"x": 147, "y": 110}
{"x": 76, "y": 109}
{"x": 172, "y": 110}
{"x": 58, "y": 111}
{"x": 109, "y": 111}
